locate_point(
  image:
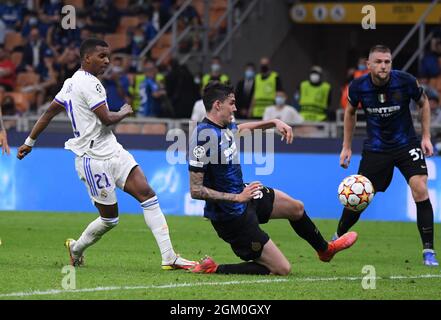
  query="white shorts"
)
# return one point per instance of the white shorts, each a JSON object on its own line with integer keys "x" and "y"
{"x": 102, "y": 176}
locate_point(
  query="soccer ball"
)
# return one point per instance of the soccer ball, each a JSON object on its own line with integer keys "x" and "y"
{"x": 355, "y": 192}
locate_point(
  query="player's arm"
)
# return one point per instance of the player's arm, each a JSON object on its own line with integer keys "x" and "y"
{"x": 54, "y": 109}
{"x": 426, "y": 144}
{"x": 3, "y": 136}
{"x": 199, "y": 191}
{"x": 284, "y": 129}
{"x": 109, "y": 117}
{"x": 350, "y": 119}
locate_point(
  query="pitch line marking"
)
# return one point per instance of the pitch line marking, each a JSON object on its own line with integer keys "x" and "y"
{"x": 199, "y": 284}
{"x": 166, "y": 286}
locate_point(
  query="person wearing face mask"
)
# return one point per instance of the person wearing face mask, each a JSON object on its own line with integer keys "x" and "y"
{"x": 361, "y": 70}
{"x": 267, "y": 83}
{"x": 314, "y": 97}
{"x": 282, "y": 111}
{"x": 215, "y": 73}
{"x": 116, "y": 83}
{"x": 245, "y": 90}
{"x": 32, "y": 21}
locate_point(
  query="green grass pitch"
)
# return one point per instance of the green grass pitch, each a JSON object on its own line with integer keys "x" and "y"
{"x": 125, "y": 264}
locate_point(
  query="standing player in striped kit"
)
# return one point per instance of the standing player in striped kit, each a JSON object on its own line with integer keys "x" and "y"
{"x": 101, "y": 162}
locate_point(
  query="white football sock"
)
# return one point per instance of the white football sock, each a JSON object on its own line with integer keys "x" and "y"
{"x": 93, "y": 233}
{"x": 155, "y": 219}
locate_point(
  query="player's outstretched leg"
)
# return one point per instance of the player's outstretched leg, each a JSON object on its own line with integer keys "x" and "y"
{"x": 94, "y": 231}
{"x": 286, "y": 207}
{"x": 137, "y": 186}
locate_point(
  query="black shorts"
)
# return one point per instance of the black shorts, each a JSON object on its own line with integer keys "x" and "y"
{"x": 378, "y": 167}
{"x": 243, "y": 232}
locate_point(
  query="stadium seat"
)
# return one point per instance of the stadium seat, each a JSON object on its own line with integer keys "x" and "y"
{"x": 16, "y": 58}
{"x": 128, "y": 128}
{"x": 78, "y": 4}
{"x": 157, "y": 52}
{"x": 21, "y": 101}
{"x": 27, "y": 79}
{"x": 121, "y": 4}
{"x": 127, "y": 22}
{"x": 24, "y": 83}
{"x": 154, "y": 128}
{"x": 13, "y": 40}
{"x": 215, "y": 14}
{"x": 199, "y": 6}
{"x": 165, "y": 40}
{"x": 217, "y": 8}
{"x": 116, "y": 40}
{"x": 163, "y": 44}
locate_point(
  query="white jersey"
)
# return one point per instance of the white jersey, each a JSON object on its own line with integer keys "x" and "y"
{"x": 80, "y": 95}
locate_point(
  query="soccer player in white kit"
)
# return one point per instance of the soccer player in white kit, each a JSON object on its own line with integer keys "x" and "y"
{"x": 101, "y": 162}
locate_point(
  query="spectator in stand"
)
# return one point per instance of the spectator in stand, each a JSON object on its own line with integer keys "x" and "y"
{"x": 12, "y": 14}
{"x": 68, "y": 61}
{"x": 181, "y": 89}
{"x": 215, "y": 73}
{"x": 351, "y": 75}
{"x": 150, "y": 92}
{"x": 58, "y": 38}
{"x": 137, "y": 43}
{"x": 147, "y": 26}
{"x": 116, "y": 83}
{"x": 430, "y": 69}
{"x": 33, "y": 52}
{"x": 7, "y": 71}
{"x": 282, "y": 111}
{"x": 245, "y": 91}
{"x": 136, "y": 6}
{"x": 266, "y": 84}
{"x": 32, "y": 21}
{"x": 199, "y": 112}
{"x": 50, "y": 11}
{"x": 158, "y": 14}
{"x": 315, "y": 96}
{"x": 48, "y": 72}
{"x": 189, "y": 17}
{"x": 8, "y": 106}
{"x": 104, "y": 17}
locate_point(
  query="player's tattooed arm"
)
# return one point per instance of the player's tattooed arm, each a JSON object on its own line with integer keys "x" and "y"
{"x": 199, "y": 191}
